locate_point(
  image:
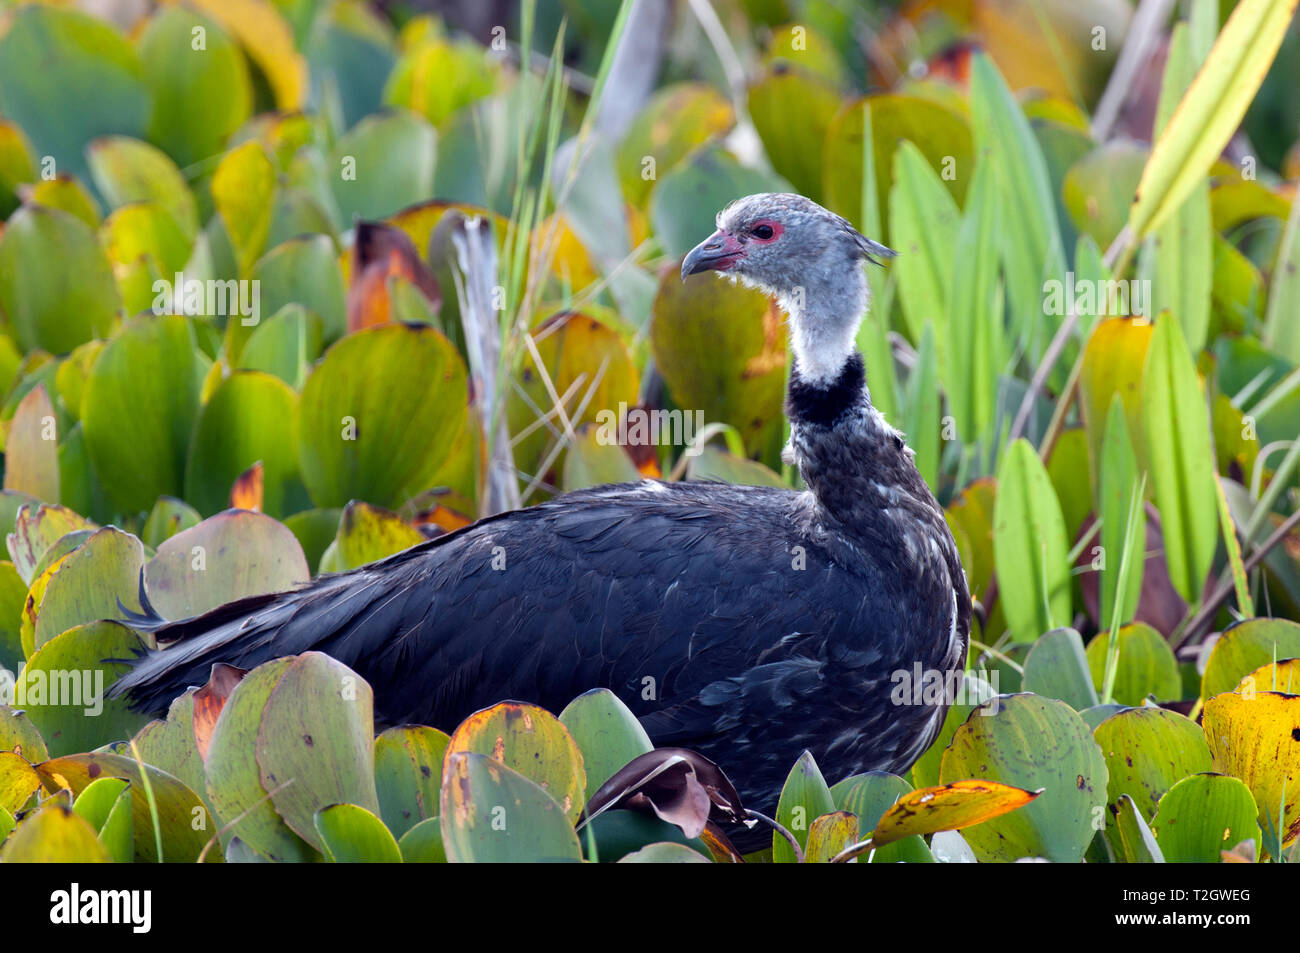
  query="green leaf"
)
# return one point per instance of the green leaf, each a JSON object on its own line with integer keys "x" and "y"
{"x": 1063, "y": 759}
{"x": 229, "y": 556}
{"x": 1181, "y": 459}
{"x": 606, "y": 732}
{"x": 938, "y": 130}
{"x": 106, "y": 804}
{"x": 137, "y": 426}
{"x": 127, "y": 170}
{"x": 868, "y": 796}
{"x": 1180, "y": 253}
{"x": 1099, "y": 186}
{"x": 923, "y": 229}
{"x": 99, "y": 88}
{"x": 1056, "y": 667}
{"x": 183, "y": 821}
{"x": 1146, "y": 665}
{"x": 31, "y": 448}
{"x": 1281, "y": 329}
{"x": 304, "y": 271}
{"x": 200, "y": 96}
{"x": 382, "y": 165}
{"x": 1118, "y": 484}
{"x": 353, "y": 835}
{"x": 167, "y": 518}
{"x": 686, "y": 200}
{"x": 721, "y": 349}
{"x": 243, "y": 191}
{"x": 169, "y": 744}
{"x": 790, "y": 110}
{"x": 317, "y": 729}
{"x": 973, "y": 322}
{"x": 370, "y": 533}
{"x": 363, "y": 402}
{"x": 1138, "y": 843}
{"x": 54, "y": 834}
{"x": 408, "y": 775}
{"x": 64, "y": 683}
{"x": 664, "y": 852}
{"x": 974, "y": 691}
{"x": 1148, "y": 751}
{"x": 1203, "y": 815}
{"x": 234, "y": 780}
{"x": 1031, "y": 250}
{"x": 250, "y": 417}
{"x": 36, "y": 529}
{"x": 714, "y": 463}
{"x": 422, "y": 844}
{"x": 56, "y": 285}
{"x": 591, "y": 461}
{"x": 679, "y": 118}
{"x": 1030, "y": 546}
{"x": 804, "y": 798}
{"x": 491, "y": 813}
{"x": 102, "y": 573}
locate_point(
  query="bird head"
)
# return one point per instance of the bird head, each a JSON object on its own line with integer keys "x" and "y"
{"x": 807, "y": 257}
{"x": 781, "y": 242}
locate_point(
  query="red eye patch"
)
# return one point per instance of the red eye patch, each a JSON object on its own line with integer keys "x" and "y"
{"x": 765, "y": 231}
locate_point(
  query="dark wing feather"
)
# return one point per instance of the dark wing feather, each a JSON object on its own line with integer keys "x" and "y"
{"x": 694, "y": 616}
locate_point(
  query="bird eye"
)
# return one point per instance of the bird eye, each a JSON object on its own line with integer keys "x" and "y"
{"x": 763, "y": 232}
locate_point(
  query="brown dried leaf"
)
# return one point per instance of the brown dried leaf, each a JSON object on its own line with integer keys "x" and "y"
{"x": 676, "y": 785}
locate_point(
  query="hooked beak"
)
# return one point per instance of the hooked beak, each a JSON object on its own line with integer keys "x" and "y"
{"x": 718, "y": 252}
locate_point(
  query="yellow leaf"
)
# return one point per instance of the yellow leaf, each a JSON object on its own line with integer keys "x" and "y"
{"x": 1210, "y": 111}
{"x": 948, "y": 807}
{"x": 242, "y": 190}
{"x": 1280, "y": 676}
{"x": 1257, "y": 739}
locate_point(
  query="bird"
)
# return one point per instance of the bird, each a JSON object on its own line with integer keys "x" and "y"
{"x": 746, "y": 623}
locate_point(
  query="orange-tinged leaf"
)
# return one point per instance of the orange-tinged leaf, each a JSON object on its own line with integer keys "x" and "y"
{"x": 379, "y": 253}
{"x": 948, "y": 807}
{"x": 246, "y": 494}
{"x": 211, "y": 699}
{"x": 443, "y": 517}
{"x": 1257, "y": 739}
{"x": 533, "y": 742}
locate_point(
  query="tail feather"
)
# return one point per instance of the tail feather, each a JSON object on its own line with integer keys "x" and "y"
{"x": 245, "y": 633}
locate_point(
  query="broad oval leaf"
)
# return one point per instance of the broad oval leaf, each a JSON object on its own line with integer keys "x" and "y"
{"x": 361, "y": 406}
{"x": 1031, "y": 743}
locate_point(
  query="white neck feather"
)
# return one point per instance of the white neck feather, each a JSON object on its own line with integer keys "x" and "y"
{"x": 823, "y": 333}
